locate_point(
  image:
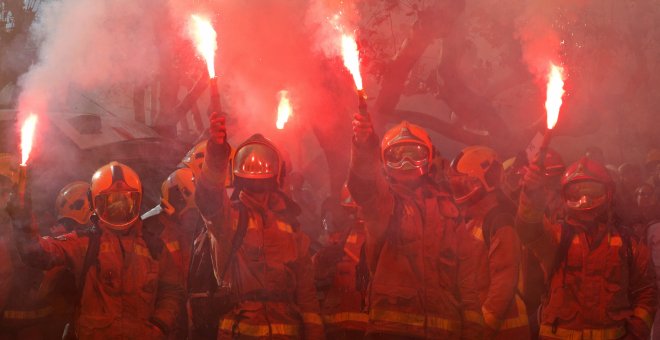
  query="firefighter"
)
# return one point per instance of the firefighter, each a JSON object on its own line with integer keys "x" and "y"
{"x": 128, "y": 284}
{"x": 260, "y": 259}
{"x": 72, "y": 206}
{"x": 601, "y": 281}
{"x": 73, "y": 213}
{"x": 422, "y": 282}
{"x": 175, "y": 220}
{"x": 335, "y": 270}
{"x": 26, "y": 309}
{"x": 475, "y": 176}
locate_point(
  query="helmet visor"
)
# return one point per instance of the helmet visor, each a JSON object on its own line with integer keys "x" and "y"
{"x": 117, "y": 208}
{"x": 585, "y": 195}
{"x": 407, "y": 156}
{"x": 256, "y": 161}
{"x": 463, "y": 186}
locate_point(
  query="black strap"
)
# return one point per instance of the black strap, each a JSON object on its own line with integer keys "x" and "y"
{"x": 91, "y": 257}
{"x": 237, "y": 241}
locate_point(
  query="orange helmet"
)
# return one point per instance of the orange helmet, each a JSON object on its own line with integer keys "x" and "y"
{"x": 475, "y": 171}
{"x": 9, "y": 167}
{"x": 258, "y": 159}
{"x": 116, "y": 195}
{"x": 406, "y": 149}
{"x": 587, "y": 185}
{"x": 194, "y": 159}
{"x": 177, "y": 194}
{"x": 72, "y": 202}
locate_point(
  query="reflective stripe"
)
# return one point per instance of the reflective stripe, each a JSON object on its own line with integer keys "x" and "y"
{"x": 583, "y": 334}
{"x": 474, "y": 317}
{"x": 243, "y": 328}
{"x": 173, "y": 246}
{"x": 414, "y": 320}
{"x": 313, "y": 318}
{"x": 478, "y": 233}
{"x": 140, "y": 250}
{"x": 105, "y": 247}
{"x": 519, "y": 321}
{"x": 346, "y": 317}
{"x": 644, "y": 315}
{"x": 28, "y": 314}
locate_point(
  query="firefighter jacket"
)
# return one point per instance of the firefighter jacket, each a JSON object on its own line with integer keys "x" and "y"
{"x": 259, "y": 258}
{"x": 335, "y": 275}
{"x": 605, "y": 290}
{"x": 26, "y": 308}
{"x": 132, "y": 289}
{"x": 177, "y": 243}
{"x": 496, "y": 247}
{"x": 422, "y": 280}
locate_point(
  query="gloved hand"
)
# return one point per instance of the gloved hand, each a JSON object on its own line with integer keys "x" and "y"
{"x": 21, "y": 215}
{"x": 218, "y": 130}
{"x": 534, "y": 183}
{"x": 363, "y": 129}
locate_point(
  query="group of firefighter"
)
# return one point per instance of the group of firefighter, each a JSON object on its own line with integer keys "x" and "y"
{"x": 415, "y": 248}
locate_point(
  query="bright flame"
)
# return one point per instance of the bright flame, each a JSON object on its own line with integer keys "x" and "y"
{"x": 203, "y": 35}
{"x": 351, "y": 56}
{"x": 554, "y": 93}
{"x": 27, "y": 137}
{"x": 284, "y": 110}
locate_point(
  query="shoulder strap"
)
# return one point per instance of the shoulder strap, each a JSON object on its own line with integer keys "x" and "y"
{"x": 237, "y": 241}
{"x": 565, "y": 239}
{"x": 91, "y": 257}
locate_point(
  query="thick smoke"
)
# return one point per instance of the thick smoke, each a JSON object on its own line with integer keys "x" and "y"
{"x": 88, "y": 45}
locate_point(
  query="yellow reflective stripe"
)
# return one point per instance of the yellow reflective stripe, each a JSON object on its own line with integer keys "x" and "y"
{"x": 285, "y": 227}
{"x": 242, "y": 328}
{"x": 414, "y": 319}
{"x": 28, "y": 314}
{"x": 572, "y": 334}
{"x": 140, "y": 250}
{"x": 474, "y": 317}
{"x": 519, "y": 321}
{"x": 346, "y": 317}
{"x": 644, "y": 315}
{"x": 478, "y": 233}
{"x": 313, "y": 318}
{"x": 173, "y": 246}
{"x": 105, "y": 247}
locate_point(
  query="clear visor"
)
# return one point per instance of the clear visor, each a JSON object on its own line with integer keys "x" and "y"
{"x": 117, "y": 208}
{"x": 462, "y": 186}
{"x": 407, "y": 156}
{"x": 256, "y": 161}
{"x": 585, "y": 195}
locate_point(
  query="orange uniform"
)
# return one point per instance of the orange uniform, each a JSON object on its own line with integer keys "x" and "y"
{"x": 26, "y": 306}
{"x": 131, "y": 290}
{"x": 423, "y": 281}
{"x": 341, "y": 302}
{"x": 267, "y": 271}
{"x": 601, "y": 290}
{"x": 497, "y": 248}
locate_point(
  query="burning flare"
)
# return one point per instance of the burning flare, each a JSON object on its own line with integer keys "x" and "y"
{"x": 555, "y": 91}
{"x": 205, "y": 38}
{"x": 284, "y": 110}
{"x": 27, "y": 137}
{"x": 351, "y": 56}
